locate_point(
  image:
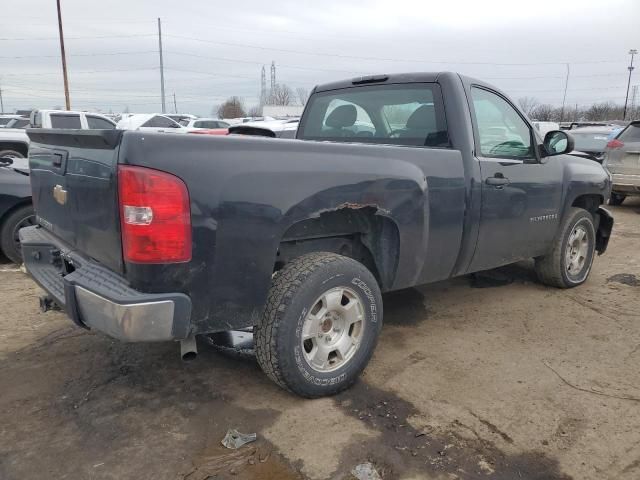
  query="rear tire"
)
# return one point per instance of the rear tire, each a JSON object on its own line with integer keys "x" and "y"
{"x": 320, "y": 325}
{"x": 568, "y": 264}
{"x": 11, "y": 153}
{"x": 616, "y": 199}
{"x": 20, "y": 217}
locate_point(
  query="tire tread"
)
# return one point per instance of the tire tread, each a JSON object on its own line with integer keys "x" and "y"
{"x": 285, "y": 285}
{"x": 549, "y": 267}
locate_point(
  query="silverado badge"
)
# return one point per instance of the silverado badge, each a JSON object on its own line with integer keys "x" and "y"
{"x": 60, "y": 194}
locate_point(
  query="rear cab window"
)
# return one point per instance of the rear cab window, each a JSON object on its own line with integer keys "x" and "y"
{"x": 393, "y": 114}
{"x": 61, "y": 120}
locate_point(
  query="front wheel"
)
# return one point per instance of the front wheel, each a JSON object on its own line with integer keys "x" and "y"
{"x": 569, "y": 262}
{"x": 320, "y": 325}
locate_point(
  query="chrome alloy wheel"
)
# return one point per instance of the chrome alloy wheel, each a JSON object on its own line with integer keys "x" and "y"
{"x": 333, "y": 329}
{"x": 577, "y": 250}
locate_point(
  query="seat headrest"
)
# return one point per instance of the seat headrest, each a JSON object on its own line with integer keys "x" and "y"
{"x": 342, "y": 116}
{"x": 423, "y": 118}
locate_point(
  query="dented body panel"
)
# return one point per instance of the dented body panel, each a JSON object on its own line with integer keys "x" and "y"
{"x": 419, "y": 214}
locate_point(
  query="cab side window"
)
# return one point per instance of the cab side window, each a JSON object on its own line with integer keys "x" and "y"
{"x": 501, "y": 130}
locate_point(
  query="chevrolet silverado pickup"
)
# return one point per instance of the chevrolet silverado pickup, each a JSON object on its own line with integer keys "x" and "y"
{"x": 392, "y": 181}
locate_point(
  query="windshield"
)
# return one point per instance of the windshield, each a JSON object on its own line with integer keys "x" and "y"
{"x": 402, "y": 114}
{"x": 590, "y": 141}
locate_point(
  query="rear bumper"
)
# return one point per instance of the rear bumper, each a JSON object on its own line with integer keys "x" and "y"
{"x": 626, "y": 184}
{"x": 97, "y": 298}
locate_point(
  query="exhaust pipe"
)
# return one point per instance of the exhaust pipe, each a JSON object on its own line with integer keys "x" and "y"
{"x": 188, "y": 348}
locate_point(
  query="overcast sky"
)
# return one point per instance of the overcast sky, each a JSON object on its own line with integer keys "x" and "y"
{"x": 215, "y": 49}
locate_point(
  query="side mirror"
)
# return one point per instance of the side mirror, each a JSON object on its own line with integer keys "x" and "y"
{"x": 6, "y": 161}
{"x": 557, "y": 142}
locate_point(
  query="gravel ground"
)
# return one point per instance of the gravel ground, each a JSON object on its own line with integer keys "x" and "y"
{"x": 492, "y": 377}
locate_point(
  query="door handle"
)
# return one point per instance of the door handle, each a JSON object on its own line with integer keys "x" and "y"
{"x": 497, "y": 181}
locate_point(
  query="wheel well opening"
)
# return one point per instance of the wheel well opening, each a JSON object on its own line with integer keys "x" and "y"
{"x": 17, "y": 146}
{"x": 23, "y": 203}
{"x": 589, "y": 202}
{"x": 358, "y": 233}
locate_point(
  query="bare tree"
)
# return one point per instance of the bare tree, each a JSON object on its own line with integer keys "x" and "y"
{"x": 528, "y": 104}
{"x": 281, "y": 95}
{"x": 255, "y": 111}
{"x": 303, "y": 95}
{"x": 600, "y": 111}
{"x": 232, "y": 108}
{"x": 126, "y": 109}
{"x": 543, "y": 112}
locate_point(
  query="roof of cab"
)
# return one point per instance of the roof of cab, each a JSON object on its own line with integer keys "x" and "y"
{"x": 380, "y": 79}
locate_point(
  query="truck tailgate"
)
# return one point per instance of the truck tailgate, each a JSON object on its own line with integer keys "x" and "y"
{"x": 75, "y": 191}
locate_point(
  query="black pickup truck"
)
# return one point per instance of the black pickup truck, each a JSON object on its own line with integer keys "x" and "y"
{"x": 392, "y": 181}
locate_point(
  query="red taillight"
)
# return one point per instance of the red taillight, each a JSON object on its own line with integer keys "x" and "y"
{"x": 615, "y": 143}
{"x": 155, "y": 216}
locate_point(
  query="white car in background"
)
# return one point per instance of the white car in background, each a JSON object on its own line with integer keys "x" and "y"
{"x": 70, "y": 119}
{"x": 6, "y": 118}
{"x": 151, "y": 122}
{"x": 208, "y": 123}
{"x": 14, "y": 142}
{"x": 545, "y": 127}
{"x": 181, "y": 118}
{"x": 270, "y": 128}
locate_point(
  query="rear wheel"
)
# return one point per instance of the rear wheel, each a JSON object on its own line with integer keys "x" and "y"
{"x": 11, "y": 153}
{"x": 9, "y": 238}
{"x": 320, "y": 325}
{"x": 569, "y": 262}
{"x": 616, "y": 199}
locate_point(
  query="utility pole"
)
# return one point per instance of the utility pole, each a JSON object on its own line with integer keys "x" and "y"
{"x": 632, "y": 52}
{"x": 263, "y": 87}
{"x": 164, "y": 108}
{"x": 175, "y": 105}
{"x": 64, "y": 60}
{"x": 564, "y": 98}
{"x": 632, "y": 110}
{"x": 273, "y": 77}
{"x": 1, "y": 101}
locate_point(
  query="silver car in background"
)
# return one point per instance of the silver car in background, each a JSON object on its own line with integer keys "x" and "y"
{"x": 622, "y": 160}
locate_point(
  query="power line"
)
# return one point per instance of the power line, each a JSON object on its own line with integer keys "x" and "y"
{"x": 25, "y": 39}
{"x": 356, "y": 57}
{"x": 80, "y": 55}
{"x": 83, "y": 71}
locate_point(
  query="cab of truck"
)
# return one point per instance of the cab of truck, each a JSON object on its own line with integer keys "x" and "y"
{"x": 70, "y": 119}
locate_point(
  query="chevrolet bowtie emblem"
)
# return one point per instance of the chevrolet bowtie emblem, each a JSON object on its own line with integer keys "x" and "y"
{"x": 60, "y": 194}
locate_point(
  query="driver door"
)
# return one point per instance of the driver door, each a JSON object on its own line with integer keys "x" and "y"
{"x": 521, "y": 193}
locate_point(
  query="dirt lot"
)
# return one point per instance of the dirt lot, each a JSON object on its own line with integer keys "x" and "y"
{"x": 509, "y": 381}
